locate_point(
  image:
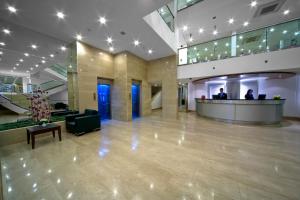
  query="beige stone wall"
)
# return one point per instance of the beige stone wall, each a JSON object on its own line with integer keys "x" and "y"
{"x": 91, "y": 64}
{"x": 123, "y": 68}
{"x": 164, "y": 71}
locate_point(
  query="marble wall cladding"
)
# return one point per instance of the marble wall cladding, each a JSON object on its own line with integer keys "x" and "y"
{"x": 164, "y": 71}
{"x": 119, "y": 92}
{"x": 137, "y": 71}
{"x": 92, "y": 63}
{"x": 123, "y": 68}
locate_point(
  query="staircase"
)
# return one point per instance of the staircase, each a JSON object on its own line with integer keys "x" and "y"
{"x": 17, "y": 103}
{"x": 58, "y": 71}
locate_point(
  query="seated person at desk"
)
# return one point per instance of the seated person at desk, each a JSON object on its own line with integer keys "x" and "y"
{"x": 249, "y": 95}
{"x": 222, "y": 95}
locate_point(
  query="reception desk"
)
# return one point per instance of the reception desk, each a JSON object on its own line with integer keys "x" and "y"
{"x": 242, "y": 111}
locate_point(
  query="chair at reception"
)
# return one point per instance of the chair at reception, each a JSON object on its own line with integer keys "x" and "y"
{"x": 80, "y": 124}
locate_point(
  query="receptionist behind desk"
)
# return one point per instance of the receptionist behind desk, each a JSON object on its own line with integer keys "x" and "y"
{"x": 249, "y": 95}
{"x": 222, "y": 94}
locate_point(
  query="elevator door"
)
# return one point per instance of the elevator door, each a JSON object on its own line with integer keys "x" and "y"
{"x": 135, "y": 92}
{"x": 104, "y": 101}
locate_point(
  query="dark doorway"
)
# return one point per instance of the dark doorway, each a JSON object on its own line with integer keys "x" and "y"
{"x": 104, "y": 101}
{"x": 135, "y": 92}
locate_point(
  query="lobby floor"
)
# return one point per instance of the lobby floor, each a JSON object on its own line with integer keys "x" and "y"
{"x": 155, "y": 158}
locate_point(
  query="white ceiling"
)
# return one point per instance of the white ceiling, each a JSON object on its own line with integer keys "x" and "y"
{"x": 38, "y": 16}
{"x": 201, "y": 15}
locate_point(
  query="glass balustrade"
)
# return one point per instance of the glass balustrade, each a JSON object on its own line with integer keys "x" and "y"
{"x": 51, "y": 85}
{"x": 273, "y": 38}
{"x": 59, "y": 69}
{"x": 181, "y": 4}
{"x": 167, "y": 16}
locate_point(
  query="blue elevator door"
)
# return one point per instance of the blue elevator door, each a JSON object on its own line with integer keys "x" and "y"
{"x": 104, "y": 101}
{"x": 135, "y": 91}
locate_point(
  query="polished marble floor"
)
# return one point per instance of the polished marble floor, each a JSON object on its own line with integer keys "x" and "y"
{"x": 155, "y": 158}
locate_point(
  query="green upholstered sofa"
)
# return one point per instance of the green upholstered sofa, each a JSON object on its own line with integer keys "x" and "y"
{"x": 79, "y": 124}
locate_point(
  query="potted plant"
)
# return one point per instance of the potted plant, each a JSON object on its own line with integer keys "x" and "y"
{"x": 277, "y": 97}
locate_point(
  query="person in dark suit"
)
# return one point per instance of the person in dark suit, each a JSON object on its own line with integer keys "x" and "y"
{"x": 222, "y": 94}
{"x": 249, "y": 95}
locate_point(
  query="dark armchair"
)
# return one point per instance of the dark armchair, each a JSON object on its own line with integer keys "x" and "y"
{"x": 79, "y": 124}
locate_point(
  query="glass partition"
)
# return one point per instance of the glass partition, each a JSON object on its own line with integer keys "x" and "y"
{"x": 273, "y": 38}
{"x": 167, "y": 16}
{"x": 181, "y": 4}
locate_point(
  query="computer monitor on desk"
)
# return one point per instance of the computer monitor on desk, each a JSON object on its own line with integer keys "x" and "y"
{"x": 262, "y": 97}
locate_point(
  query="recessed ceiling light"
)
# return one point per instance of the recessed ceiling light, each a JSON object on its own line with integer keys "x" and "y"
{"x": 14, "y": 68}
{"x": 63, "y": 48}
{"x": 191, "y": 39}
{"x": 150, "y": 51}
{"x": 11, "y": 70}
{"x": 1, "y": 53}
{"x": 51, "y": 55}
{"x": 241, "y": 37}
{"x": 227, "y": 44}
{"x": 11, "y": 9}
{"x": 215, "y": 43}
{"x": 21, "y": 60}
{"x": 246, "y": 23}
{"x": 286, "y": 12}
{"x": 36, "y": 65}
{"x": 136, "y": 43}
{"x": 201, "y": 30}
{"x": 111, "y": 49}
{"x": 60, "y": 15}
{"x": 27, "y": 71}
{"x": 205, "y": 49}
{"x": 26, "y": 54}
{"x": 215, "y": 32}
{"x": 6, "y": 31}
{"x": 284, "y": 32}
{"x": 253, "y": 3}
{"x": 102, "y": 20}
{"x": 17, "y": 64}
{"x": 43, "y": 61}
{"x": 78, "y": 37}
{"x": 272, "y": 30}
{"x": 31, "y": 68}
{"x": 185, "y": 28}
{"x": 109, "y": 40}
{"x": 231, "y": 21}
{"x": 2, "y": 43}
{"x": 33, "y": 46}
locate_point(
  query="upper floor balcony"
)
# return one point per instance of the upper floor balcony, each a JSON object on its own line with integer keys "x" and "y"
{"x": 272, "y": 38}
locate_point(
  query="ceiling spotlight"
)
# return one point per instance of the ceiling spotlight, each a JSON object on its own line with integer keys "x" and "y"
{"x": 246, "y": 23}
{"x": 215, "y": 43}
{"x": 231, "y": 21}
{"x": 150, "y": 51}
{"x": 14, "y": 68}
{"x": 284, "y": 32}
{"x": 286, "y": 12}
{"x": 109, "y": 40}
{"x": 6, "y": 31}
{"x": 201, "y": 30}
{"x": 215, "y": 32}
{"x": 63, "y": 48}
{"x": 1, "y": 53}
{"x": 12, "y": 9}
{"x": 111, "y": 49}
{"x": 78, "y": 37}
{"x": 253, "y": 3}
{"x": 36, "y": 65}
{"x": 185, "y": 28}
{"x": 27, "y": 71}
{"x": 26, "y": 54}
{"x": 21, "y": 60}
{"x": 31, "y": 68}
{"x": 136, "y": 43}
{"x": 52, "y": 55}
{"x": 33, "y": 46}
{"x": 272, "y": 30}
{"x": 60, "y": 15}
{"x": 43, "y": 61}
{"x": 227, "y": 44}
{"x": 102, "y": 20}
{"x": 191, "y": 39}
{"x": 2, "y": 44}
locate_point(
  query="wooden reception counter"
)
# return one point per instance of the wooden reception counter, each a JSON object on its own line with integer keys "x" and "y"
{"x": 242, "y": 111}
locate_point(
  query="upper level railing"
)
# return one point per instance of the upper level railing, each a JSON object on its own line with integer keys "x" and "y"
{"x": 59, "y": 69}
{"x": 51, "y": 85}
{"x": 272, "y": 38}
{"x": 182, "y": 4}
{"x": 167, "y": 15}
